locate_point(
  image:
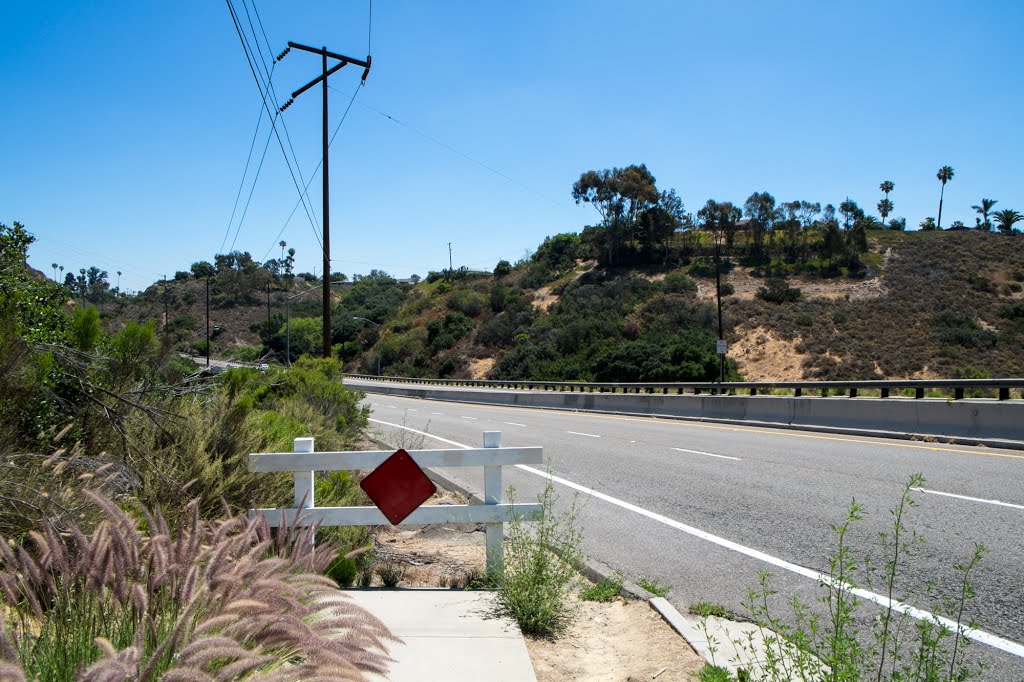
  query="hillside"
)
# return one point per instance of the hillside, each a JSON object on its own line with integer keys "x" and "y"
{"x": 921, "y": 305}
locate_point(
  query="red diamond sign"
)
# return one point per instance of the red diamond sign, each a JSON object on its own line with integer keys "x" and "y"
{"x": 398, "y": 487}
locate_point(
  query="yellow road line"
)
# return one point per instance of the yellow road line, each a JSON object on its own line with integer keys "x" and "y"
{"x": 719, "y": 427}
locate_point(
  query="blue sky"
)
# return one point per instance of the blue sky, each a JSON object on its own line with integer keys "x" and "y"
{"x": 126, "y": 125}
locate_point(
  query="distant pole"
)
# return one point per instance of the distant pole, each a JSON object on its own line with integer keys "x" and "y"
{"x": 167, "y": 311}
{"x": 450, "y": 266}
{"x": 718, "y": 295}
{"x": 207, "y": 320}
{"x": 268, "y": 305}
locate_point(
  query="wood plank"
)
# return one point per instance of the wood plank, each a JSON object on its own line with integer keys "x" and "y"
{"x": 371, "y": 516}
{"x": 339, "y": 461}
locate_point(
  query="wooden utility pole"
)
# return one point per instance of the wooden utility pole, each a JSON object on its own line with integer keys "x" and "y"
{"x": 322, "y": 78}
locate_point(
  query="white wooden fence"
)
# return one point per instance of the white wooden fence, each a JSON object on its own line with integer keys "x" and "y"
{"x": 304, "y": 462}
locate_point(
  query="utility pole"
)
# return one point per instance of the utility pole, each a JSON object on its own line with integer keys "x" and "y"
{"x": 450, "y": 267}
{"x": 322, "y": 78}
{"x": 167, "y": 311}
{"x": 207, "y": 320}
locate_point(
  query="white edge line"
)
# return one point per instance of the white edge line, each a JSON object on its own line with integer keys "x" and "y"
{"x": 708, "y": 454}
{"x": 513, "y": 424}
{"x": 440, "y": 414}
{"x": 473, "y": 418}
{"x": 588, "y": 435}
{"x": 981, "y": 636}
{"x": 970, "y": 499}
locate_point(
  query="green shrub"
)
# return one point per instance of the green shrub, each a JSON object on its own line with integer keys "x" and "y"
{"x": 604, "y": 590}
{"x": 467, "y": 302}
{"x": 540, "y": 567}
{"x": 961, "y": 330}
{"x": 778, "y": 291}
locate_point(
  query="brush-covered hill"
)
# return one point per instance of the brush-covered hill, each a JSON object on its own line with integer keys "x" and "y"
{"x": 917, "y": 305}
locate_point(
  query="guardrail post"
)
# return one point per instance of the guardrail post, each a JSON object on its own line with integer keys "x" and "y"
{"x": 958, "y": 394}
{"x": 797, "y": 392}
{"x": 492, "y": 495}
{"x": 303, "y": 479}
{"x": 885, "y": 393}
{"x": 1004, "y": 392}
{"x": 853, "y": 393}
{"x": 918, "y": 393}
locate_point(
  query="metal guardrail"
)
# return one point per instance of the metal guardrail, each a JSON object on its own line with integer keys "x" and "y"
{"x": 852, "y": 389}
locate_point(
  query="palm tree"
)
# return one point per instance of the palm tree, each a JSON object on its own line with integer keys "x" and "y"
{"x": 986, "y": 206}
{"x": 885, "y": 206}
{"x": 884, "y": 209}
{"x": 1006, "y": 219}
{"x": 54, "y": 266}
{"x": 944, "y": 175}
{"x": 118, "y": 282}
{"x": 282, "y": 244}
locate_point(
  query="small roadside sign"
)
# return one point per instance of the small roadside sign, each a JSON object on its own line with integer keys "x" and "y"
{"x": 722, "y": 347}
{"x": 398, "y": 486}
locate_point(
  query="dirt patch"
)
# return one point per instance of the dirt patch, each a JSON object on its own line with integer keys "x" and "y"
{"x": 761, "y": 355}
{"x": 544, "y": 299}
{"x": 612, "y": 642}
{"x": 479, "y": 368}
{"x": 746, "y": 285}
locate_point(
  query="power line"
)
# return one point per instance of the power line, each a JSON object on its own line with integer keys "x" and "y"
{"x": 252, "y": 189}
{"x": 462, "y": 154}
{"x": 245, "y": 171}
{"x": 270, "y": 115}
{"x": 317, "y": 169}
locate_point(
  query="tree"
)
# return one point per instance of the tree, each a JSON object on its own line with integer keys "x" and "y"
{"x": 928, "y": 224}
{"x": 898, "y": 224}
{"x": 851, "y": 213}
{"x": 1006, "y": 219}
{"x": 944, "y": 175}
{"x": 619, "y": 195}
{"x": 886, "y": 187}
{"x": 502, "y": 268}
{"x": 282, "y": 244}
{"x": 983, "y": 210}
{"x": 201, "y": 270}
{"x": 54, "y": 266}
{"x": 760, "y": 208}
{"x": 884, "y": 209}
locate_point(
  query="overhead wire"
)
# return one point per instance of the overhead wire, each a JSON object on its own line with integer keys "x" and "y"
{"x": 318, "y": 166}
{"x": 273, "y": 96}
{"x": 458, "y": 152}
{"x": 245, "y": 173}
{"x": 252, "y": 189}
{"x": 266, "y": 106}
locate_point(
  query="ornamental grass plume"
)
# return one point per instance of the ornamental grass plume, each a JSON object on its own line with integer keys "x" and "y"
{"x": 135, "y": 600}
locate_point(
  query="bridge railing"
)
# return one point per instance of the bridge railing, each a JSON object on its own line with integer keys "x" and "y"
{"x": 957, "y": 389}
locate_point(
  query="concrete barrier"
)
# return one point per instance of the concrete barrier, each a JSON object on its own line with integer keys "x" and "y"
{"x": 991, "y": 422}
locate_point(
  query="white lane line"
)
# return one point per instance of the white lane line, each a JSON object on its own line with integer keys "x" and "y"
{"x": 980, "y": 636}
{"x": 422, "y": 433}
{"x": 473, "y": 418}
{"x": 439, "y": 414}
{"x": 999, "y": 503}
{"x": 588, "y": 435}
{"x": 513, "y": 424}
{"x": 411, "y": 410}
{"x": 708, "y": 454}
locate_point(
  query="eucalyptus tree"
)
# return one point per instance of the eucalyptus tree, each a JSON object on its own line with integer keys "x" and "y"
{"x": 760, "y": 208}
{"x": 619, "y": 195}
{"x": 983, "y": 210}
{"x": 1006, "y": 219}
{"x": 944, "y": 175}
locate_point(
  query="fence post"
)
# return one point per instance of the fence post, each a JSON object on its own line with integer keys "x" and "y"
{"x": 492, "y": 495}
{"x": 303, "y": 479}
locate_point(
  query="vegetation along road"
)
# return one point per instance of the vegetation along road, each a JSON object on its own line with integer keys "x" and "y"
{"x": 705, "y": 508}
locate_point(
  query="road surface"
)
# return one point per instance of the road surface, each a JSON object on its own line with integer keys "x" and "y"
{"x": 706, "y": 507}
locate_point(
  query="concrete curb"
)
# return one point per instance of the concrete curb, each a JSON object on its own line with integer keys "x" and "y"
{"x": 1005, "y": 444}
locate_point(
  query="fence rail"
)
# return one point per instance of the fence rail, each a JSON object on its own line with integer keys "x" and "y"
{"x": 958, "y": 388}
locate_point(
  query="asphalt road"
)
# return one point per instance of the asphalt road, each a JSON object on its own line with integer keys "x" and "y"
{"x": 705, "y": 508}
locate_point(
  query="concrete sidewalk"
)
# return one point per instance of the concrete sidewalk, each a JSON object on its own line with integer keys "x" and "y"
{"x": 448, "y": 635}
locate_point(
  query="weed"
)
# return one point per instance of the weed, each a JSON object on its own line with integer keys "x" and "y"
{"x": 707, "y": 609}
{"x": 391, "y": 573}
{"x": 837, "y": 648}
{"x": 713, "y": 673}
{"x": 540, "y": 567}
{"x": 654, "y": 587}
{"x": 604, "y": 590}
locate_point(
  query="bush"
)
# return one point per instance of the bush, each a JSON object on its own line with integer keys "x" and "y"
{"x": 502, "y": 268}
{"x": 467, "y": 302}
{"x": 961, "y": 330}
{"x": 540, "y": 567}
{"x": 778, "y": 291}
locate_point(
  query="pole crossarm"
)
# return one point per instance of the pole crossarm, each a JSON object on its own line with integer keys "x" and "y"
{"x": 323, "y": 51}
